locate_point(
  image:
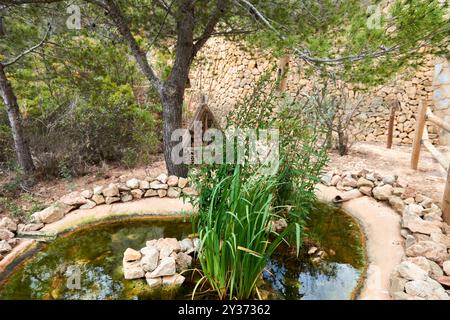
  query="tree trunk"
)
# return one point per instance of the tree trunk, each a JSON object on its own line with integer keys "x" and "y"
{"x": 15, "y": 120}
{"x": 172, "y": 101}
{"x": 342, "y": 143}
{"x": 172, "y": 94}
{"x": 171, "y": 91}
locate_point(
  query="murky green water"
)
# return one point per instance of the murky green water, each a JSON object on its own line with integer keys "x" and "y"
{"x": 98, "y": 252}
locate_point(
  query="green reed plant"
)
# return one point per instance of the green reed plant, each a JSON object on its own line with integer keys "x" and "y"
{"x": 235, "y": 235}
{"x": 236, "y": 205}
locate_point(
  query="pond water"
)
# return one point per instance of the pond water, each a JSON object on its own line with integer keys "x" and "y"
{"x": 96, "y": 253}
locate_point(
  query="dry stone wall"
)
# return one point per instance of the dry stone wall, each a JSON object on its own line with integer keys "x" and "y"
{"x": 226, "y": 72}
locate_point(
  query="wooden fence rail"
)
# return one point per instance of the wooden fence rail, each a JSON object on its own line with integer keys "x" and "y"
{"x": 421, "y": 137}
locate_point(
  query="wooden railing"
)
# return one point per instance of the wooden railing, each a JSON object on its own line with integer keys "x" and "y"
{"x": 421, "y": 137}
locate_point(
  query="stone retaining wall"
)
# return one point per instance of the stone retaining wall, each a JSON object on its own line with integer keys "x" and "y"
{"x": 227, "y": 71}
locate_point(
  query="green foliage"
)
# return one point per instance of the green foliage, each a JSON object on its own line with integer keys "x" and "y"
{"x": 34, "y": 203}
{"x": 304, "y": 141}
{"x": 236, "y": 203}
{"x": 10, "y": 205}
{"x": 331, "y": 29}
{"x": 236, "y": 243}
{"x": 77, "y": 99}
{"x": 7, "y": 204}
{"x": 7, "y": 153}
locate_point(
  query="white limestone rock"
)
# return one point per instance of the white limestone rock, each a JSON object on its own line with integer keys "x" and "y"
{"x": 111, "y": 191}
{"x": 5, "y": 247}
{"x": 173, "y": 280}
{"x": 382, "y": 193}
{"x": 132, "y": 270}
{"x": 157, "y": 185}
{"x": 166, "y": 267}
{"x": 150, "y": 258}
{"x": 131, "y": 255}
{"x": 162, "y": 178}
{"x": 8, "y": 224}
{"x": 446, "y": 267}
{"x": 183, "y": 261}
{"x": 153, "y": 282}
{"x": 133, "y": 183}
{"x": 186, "y": 245}
{"x": 429, "y": 249}
{"x": 416, "y": 224}
{"x": 172, "y": 181}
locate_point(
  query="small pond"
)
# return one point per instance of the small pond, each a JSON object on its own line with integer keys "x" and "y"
{"x": 97, "y": 252}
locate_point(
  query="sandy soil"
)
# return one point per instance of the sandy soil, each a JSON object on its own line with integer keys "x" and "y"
{"x": 429, "y": 179}
{"x": 51, "y": 190}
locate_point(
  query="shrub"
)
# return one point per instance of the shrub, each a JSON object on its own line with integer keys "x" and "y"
{"x": 304, "y": 141}
{"x": 94, "y": 131}
{"x": 236, "y": 203}
{"x": 83, "y": 111}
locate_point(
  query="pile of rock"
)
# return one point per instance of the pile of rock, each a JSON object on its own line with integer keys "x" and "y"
{"x": 132, "y": 189}
{"x": 127, "y": 190}
{"x": 426, "y": 236}
{"x": 9, "y": 232}
{"x": 8, "y": 229}
{"x": 161, "y": 261}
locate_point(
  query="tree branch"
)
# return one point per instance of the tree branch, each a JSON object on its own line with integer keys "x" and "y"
{"x": 162, "y": 25}
{"x": 185, "y": 43}
{"x": 307, "y": 57}
{"x": 210, "y": 26}
{"x": 140, "y": 56}
{"x": 29, "y": 50}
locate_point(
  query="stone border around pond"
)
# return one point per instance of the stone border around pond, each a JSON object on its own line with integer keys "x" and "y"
{"x": 424, "y": 271}
{"x": 75, "y": 221}
{"x": 425, "y": 267}
{"x": 161, "y": 186}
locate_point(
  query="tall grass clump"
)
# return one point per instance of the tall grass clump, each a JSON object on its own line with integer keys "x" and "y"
{"x": 235, "y": 234}
{"x": 237, "y": 204}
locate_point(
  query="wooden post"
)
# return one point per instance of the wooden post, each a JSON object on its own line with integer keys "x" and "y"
{"x": 391, "y": 125}
{"x": 420, "y": 125}
{"x": 283, "y": 66}
{"x": 446, "y": 200}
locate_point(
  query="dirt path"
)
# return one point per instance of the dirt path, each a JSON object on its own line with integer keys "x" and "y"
{"x": 429, "y": 179}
